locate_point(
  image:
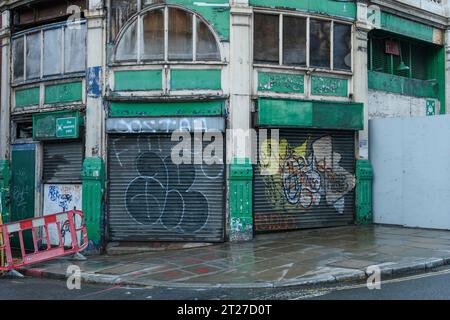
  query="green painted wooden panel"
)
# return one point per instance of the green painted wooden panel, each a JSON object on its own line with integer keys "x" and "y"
{"x": 328, "y": 7}
{"x": 328, "y": 86}
{"x": 216, "y": 12}
{"x": 402, "y": 26}
{"x": 45, "y": 125}
{"x": 401, "y": 85}
{"x": 285, "y": 112}
{"x": 281, "y": 82}
{"x": 127, "y": 109}
{"x": 138, "y": 80}
{"x": 310, "y": 114}
{"x": 23, "y": 160}
{"x": 27, "y": 97}
{"x": 64, "y": 92}
{"x": 195, "y": 79}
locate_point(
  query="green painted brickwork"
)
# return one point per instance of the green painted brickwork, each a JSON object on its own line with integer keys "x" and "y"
{"x": 281, "y": 82}
{"x": 64, "y": 92}
{"x": 195, "y": 79}
{"x": 406, "y": 27}
{"x": 363, "y": 190}
{"x": 126, "y": 109}
{"x": 5, "y": 179}
{"x": 140, "y": 80}
{"x": 218, "y": 16}
{"x": 401, "y": 85}
{"x": 328, "y": 86}
{"x": 310, "y": 114}
{"x": 27, "y": 97}
{"x": 328, "y": 7}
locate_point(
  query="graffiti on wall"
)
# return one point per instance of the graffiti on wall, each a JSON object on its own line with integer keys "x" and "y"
{"x": 308, "y": 175}
{"x": 60, "y": 198}
{"x": 160, "y": 197}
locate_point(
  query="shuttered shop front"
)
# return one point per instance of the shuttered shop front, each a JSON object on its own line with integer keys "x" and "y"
{"x": 311, "y": 186}
{"x": 152, "y": 199}
{"x": 63, "y": 162}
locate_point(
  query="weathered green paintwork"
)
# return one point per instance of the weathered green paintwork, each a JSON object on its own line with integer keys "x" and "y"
{"x": 430, "y": 107}
{"x": 216, "y": 15}
{"x": 401, "y": 85}
{"x": 181, "y": 79}
{"x": 23, "y": 173}
{"x": 402, "y": 26}
{"x": 329, "y": 86}
{"x": 138, "y": 80}
{"x": 281, "y": 82}
{"x": 310, "y": 114}
{"x": 364, "y": 182}
{"x": 27, "y": 97}
{"x": 438, "y": 71}
{"x": 162, "y": 109}
{"x": 5, "y": 179}
{"x": 241, "y": 200}
{"x": 64, "y": 92}
{"x": 326, "y": 7}
{"x": 45, "y": 125}
{"x": 93, "y": 194}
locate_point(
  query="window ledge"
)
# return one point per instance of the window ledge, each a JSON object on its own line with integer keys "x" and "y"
{"x": 72, "y": 76}
{"x": 163, "y": 63}
{"x": 166, "y": 98}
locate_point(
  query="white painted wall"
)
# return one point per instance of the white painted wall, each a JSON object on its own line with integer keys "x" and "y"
{"x": 411, "y": 162}
{"x": 387, "y": 105}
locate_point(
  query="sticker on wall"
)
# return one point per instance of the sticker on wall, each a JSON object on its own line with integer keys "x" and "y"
{"x": 431, "y": 108}
{"x": 93, "y": 84}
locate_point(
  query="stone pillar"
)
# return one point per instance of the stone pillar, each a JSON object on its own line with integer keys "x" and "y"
{"x": 239, "y": 143}
{"x": 93, "y": 167}
{"x": 96, "y": 46}
{"x": 5, "y": 107}
{"x": 360, "y": 78}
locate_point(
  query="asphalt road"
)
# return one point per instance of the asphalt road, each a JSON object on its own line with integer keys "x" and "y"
{"x": 435, "y": 285}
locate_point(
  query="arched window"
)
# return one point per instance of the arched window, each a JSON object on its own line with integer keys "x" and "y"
{"x": 167, "y": 34}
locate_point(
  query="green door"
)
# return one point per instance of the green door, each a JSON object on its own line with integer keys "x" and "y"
{"x": 23, "y": 177}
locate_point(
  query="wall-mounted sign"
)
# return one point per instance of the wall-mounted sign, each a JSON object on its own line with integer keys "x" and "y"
{"x": 431, "y": 108}
{"x": 67, "y": 127}
{"x": 56, "y": 125}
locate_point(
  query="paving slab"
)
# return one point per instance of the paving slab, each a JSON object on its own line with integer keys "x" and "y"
{"x": 271, "y": 260}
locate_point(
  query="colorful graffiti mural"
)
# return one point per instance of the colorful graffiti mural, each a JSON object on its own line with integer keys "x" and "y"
{"x": 305, "y": 175}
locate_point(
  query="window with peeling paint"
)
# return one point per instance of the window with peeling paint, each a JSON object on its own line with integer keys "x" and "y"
{"x": 319, "y": 48}
{"x": 165, "y": 34}
{"x": 294, "y": 41}
{"x": 302, "y": 41}
{"x": 59, "y": 49}
{"x": 266, "y": 38}
{"x": 342, "y": 40}
{"x": 121, "y": 11}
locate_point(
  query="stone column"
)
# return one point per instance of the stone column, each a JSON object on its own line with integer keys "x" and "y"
{"x": 5, "y": 108}
{"x": 239, "y": 143}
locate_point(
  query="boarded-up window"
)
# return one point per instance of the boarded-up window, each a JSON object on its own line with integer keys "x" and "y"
{"x": 342, "y": 46}
{"x": 320, "y": 43}
{"x": 180, "y": 41}
{"x": 153, "y": 39}
{"x": 180, "y": 35}
{"x": 294, "y": 41}
{"x": 266, "y": 38}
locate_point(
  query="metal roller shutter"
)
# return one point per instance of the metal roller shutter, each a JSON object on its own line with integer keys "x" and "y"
{"x": 152, "y": 199}
{"x": 63, "y": 162}
{"x": 314, "y": 185}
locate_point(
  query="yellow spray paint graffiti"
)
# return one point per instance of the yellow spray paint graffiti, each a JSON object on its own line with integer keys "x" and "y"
{"x": 303, "y": 176}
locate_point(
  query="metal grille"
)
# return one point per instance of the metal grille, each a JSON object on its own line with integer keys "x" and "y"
{"x": 63, "y": 162}
{"x": 152, "y": 199}
{"x": 314, "y": 183}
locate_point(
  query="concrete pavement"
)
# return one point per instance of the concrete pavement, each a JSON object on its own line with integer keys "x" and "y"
{"x": 312, "y": 257}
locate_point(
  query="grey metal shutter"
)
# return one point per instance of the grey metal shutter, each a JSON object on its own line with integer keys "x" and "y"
{"x": 314, "y": 184}
{"x": 151, "y": 199}
{"x": 63, "y": 162}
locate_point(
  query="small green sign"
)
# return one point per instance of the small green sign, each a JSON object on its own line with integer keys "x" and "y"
{"x": 67, "y": 127}
{"x": 431, "y": 107}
